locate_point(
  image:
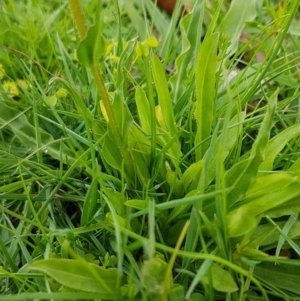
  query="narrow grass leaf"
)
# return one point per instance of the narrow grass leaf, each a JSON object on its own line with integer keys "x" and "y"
{"x": 287, "y": 227}
{"x": 90, "y": 202}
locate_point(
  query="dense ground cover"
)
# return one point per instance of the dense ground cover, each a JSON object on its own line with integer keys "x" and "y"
{"x": 149, "y": 157}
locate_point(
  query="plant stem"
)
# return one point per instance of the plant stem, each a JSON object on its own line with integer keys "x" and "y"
{"x": 79, "y": 20}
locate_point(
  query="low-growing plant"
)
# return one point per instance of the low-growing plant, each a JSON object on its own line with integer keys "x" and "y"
{"x": 158, "y": 161}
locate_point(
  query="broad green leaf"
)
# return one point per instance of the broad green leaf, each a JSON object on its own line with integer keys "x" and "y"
{"x": 129, "y": 290}
{"x": 139, "y": 148}
{"x": 153, "y": 272}
{"x": 123, "y": 118}
{"x": 176, "y": 293}
{"x": 79, "y": 275}
{"x": 222, "y": 279}
{"x": 17, "y": 122}
{"x": 192, "y": 174}
{"x": 235, "y": 20}
{"x": 271, "y": 237}
{"x": 285, "y": 276}
{"x": 121, "y": 220}
{"x": 269, "y": 183}
{"x": 273, "y": 199}
{"x": 241, "y": 222}
{"x": 295, "y": 166}
{"x": 243, "y": 173}
{"x": 169, "y": 147}
{"x": 292, "y": 206}
{"x": 92, "y": 46}
{"x": 173, "y": 181}
{"x": 244, "y": 219}
{"x": 163, "y": 93}
{"x": 111, "y": 153}
{"x": 117, "y": 200}
{"x": 143, "y": 108}
{"x": 277, "y": 143}
{"x": 137, "y": 204}
{"x": 205, "y": 92}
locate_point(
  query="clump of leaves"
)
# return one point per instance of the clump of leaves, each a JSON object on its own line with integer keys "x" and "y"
{"x": 161, "y": 171}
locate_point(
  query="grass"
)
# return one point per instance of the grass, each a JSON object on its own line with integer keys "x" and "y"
{"x": 147, "y": 156}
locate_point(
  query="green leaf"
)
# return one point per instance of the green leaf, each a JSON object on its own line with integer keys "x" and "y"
{"x": 137, "y": 204}
{"x": 277, "y": 143}
{"x": 117, "y": 200}
{"x": 143, "y": 108}
{"x": 281, "y": 275}
{"x": 244, "y": 219}
{"x": 17, "y": 122}
{"x": 111, "y": 153}
{"x": 153, "y": 272}
{"x": 243, "y": 173}
{"x": 79, "y": 275}
{"x": 176, "y": 293}
{"x": 192, "y": 174}
{"x": 90, "y": 202}
{"x": 123, "y": 118}
{"x": 205, "y": 92}
{"x": 211, "y": 155}
{"x": 235, "y": 20}
{"x": 269, "y": 183}
{"x": 191, "y": 27}
{"x": 222, "y": 280}
{"x": 271, "y": 237}
{"x": 92, "y": 46}
{"x": 292, "y": 206}
{"x": 164, "y": 97}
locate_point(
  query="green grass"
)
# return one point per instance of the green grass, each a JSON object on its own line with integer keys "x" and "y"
{"x": 139, "y": 161}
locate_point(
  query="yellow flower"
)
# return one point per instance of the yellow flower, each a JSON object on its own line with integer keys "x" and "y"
{"x": 61, "y": 93}
{"x": 52, "y": 100}
{"x": 24, "y": 84}
{"x": 2, "y": 71}
{"x": 11, "y": 88}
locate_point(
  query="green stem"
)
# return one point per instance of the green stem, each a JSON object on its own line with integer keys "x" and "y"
{"x": 79, "y": 20}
